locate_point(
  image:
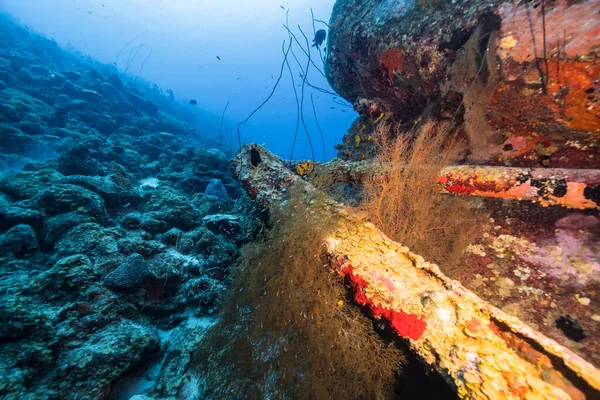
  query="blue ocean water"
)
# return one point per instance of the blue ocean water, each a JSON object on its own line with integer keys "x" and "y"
{"x": 214, "y": 52}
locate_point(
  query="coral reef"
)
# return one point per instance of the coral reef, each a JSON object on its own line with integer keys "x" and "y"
{"x": 118, "y": 228}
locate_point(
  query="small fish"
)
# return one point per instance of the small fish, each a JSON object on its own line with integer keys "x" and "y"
{"x": 193, "y": 102}
{"x": 305, "y": 168}
{"x": 319, "y": 38}
{"x": 218, "y": 58}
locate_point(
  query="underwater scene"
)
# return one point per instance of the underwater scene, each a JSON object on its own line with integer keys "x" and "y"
{"x": 294, "y": 199}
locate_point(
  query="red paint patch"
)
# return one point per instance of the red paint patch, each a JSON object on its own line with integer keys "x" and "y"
{"x": 357, "y": 284}
{"x": 406, "y": 325}
{"x": 458, "y": 188}
{"x": 392, "y": 60}
{"x": 470, "y": 184}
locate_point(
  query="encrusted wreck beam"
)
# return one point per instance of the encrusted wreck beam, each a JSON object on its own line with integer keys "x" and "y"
{"x": 481, "y": 351}
{"x": 570, "y": 188}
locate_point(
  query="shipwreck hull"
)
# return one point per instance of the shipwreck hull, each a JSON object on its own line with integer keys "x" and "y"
{"x": 481, "y": 351}
{"x": 518, "y": 80}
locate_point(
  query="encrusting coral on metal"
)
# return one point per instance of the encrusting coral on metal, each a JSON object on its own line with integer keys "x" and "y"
{"x": 570, "y": 188}
{"x": 519, "y": 80}
{"x": 481, "y": 351}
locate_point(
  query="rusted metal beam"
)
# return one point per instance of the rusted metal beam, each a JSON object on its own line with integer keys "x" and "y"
{"x": 570, "y": 188}
{"x": 481, "y": 351}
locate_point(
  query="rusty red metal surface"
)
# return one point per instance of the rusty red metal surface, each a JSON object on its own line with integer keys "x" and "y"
{"x": 565, "y": 187}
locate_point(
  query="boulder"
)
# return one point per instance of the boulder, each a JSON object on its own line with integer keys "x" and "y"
{"x": 56, "y": 227}
{"x": 93, "y": 365}
{"x": 19, "y": 239}
{"x": 16, "y": 105}
{"x": 200, "y": 240}
{"x": 114, "y": 80}
{"x": 223, "y": 224}
{"x": 31, "y": 128}
{"x": 62, "y": 198}
{"x": 174, "y": 265}
{"x": 64, "y": 104}
{"x": 19, "y": 320}
{"x": 132, "y": 272}
{"x": 180, "y": 348}
{"x": 71, "y": 274}
{"x": 15, "y": 215}
{"x": 67, "y": 88}
{"x": 24, "y": 75}
{"x": 90, "y": 239}
{"x": 216, "y": 190}
{"x": 172, "y": 207}
{"x": 140, "y": 242}
{"x": 72, "y": 75}
{"x": 17, "y": 142}
{"x": 167, "y": 123}
{"x": 114, "y": 196}
{"x": 94, "y": 74}
{"x": 25, "y": 185}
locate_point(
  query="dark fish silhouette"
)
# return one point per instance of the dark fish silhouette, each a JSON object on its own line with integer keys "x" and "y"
{"x": 218, "y": 58}
{"x": 193, "y": 102}
{"x": 319, "y": 38}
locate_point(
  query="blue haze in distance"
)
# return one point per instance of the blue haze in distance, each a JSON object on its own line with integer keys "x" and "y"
{"x": 185, "y": 38}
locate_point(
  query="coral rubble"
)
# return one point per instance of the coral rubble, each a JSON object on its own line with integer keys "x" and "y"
{"x": 118, "y": 226}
